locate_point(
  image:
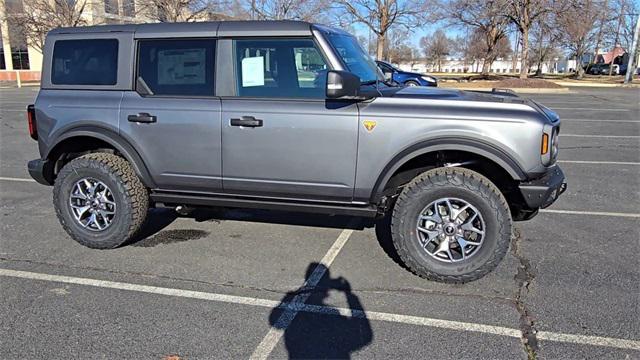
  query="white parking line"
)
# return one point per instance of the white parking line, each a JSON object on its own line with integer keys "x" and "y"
{"x": 276, "y": 332}
{"x": 589, "y": 340}
{"x": 372, "y": 315}
{"x": 602, "y": 136}
{"x": 16, "y": 179}
{"x": 590, "y": 109}
{"x": 596, "y": 213}
{"x": 598, "y": 162}
{"x": 602, "y": 121}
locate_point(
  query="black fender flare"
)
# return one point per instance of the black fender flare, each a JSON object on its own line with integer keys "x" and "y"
{"x": 474, "y": 146}
{"x": 115, "y": 140}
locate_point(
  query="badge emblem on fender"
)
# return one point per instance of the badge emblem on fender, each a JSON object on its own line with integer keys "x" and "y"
{"x": 369, "y": 125}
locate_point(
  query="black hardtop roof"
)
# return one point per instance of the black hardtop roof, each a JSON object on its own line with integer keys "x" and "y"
{"x": 209, "y": 28}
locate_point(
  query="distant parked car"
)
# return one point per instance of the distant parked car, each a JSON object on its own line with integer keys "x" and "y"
{"x": 596, "y": 69}
{"x": 405, "y": 77}
{"x": 617, "y": 69}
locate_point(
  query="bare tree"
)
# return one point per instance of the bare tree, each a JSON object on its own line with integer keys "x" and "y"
{"x": 382, "y": 15}
{"x": 398, "y": 50}
{"x": 628, "y": 13}
{"x": 37, "y": 17}
{"x": 523, "y": 14}
{"x": 486, "y": 20}
{"x": 544, "y": 41}
{"x": 575, "y": 20}
{"x": 305, "y": 10}
{"x": 436, "y": 47}
{"x": 179, "y": 10}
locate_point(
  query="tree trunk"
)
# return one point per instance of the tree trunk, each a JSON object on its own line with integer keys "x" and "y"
{"x": 524, "y": 65}
{"x": 539, "y": 69}
{"x": 380, "y": 53}
{"x": 579, "y": 68}
{"x": 485, "y": 67}
{"x": 514, "y": 59}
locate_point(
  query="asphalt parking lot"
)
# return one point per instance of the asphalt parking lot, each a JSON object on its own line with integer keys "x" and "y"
{"x": 236, "y": 283}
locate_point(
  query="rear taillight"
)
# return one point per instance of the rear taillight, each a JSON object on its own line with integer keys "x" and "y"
{"x": 31, "y": 119}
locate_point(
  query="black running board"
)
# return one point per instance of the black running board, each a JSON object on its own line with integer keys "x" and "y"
{"x": 169, "y": 199}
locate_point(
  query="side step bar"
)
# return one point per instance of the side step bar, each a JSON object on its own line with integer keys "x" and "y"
{"x": 220, "y": 201}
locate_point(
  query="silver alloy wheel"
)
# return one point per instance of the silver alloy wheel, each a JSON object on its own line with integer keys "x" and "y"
{"x": 450, "y": 230}
{"x": 412, "y": 84}
{"x": 92, "y": 204}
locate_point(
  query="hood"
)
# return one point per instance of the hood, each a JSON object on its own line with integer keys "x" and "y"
{"x": 411, "y": 73}
{"x": 497, "y": 96}
{"x": 432, "y": 93}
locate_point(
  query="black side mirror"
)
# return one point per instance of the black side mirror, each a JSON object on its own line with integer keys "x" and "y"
{"x": 342, "y": 84}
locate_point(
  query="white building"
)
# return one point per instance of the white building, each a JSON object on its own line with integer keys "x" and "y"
{"x": 500, "y": 66}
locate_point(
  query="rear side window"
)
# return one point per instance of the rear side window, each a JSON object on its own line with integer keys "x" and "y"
{"x": 177, "y": 67}
{"x": 85, "y": 62}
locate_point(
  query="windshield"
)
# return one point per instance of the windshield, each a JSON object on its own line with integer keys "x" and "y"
{"x": 355, "y": 58}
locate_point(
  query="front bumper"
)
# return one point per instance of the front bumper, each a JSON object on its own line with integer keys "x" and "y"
{"x": 545, "y": 190}
{"x": 38, "y": 169}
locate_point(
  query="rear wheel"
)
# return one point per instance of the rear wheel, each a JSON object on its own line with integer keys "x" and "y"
{"x": 100, "y": 201}
{"x": 451, "y": 225}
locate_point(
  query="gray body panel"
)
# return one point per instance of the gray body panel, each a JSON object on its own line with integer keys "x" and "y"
{"x": 182, "y": 148}
{"x": 305, "y": 149}
{"x": 62, "y": 112}
{"x": 403, "y": 123}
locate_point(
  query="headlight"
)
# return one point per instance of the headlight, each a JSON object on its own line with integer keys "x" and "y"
{"x": 554, "y": 144}
{"x": 549, "y": 146}
{"x": 429, "y": 79}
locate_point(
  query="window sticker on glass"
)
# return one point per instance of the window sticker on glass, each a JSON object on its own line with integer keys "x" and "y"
{"x": 253, "y": 71}
{"x": 178, "y": 67}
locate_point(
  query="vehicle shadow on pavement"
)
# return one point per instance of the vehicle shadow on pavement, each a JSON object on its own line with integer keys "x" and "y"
{"x": 156, "y": 221}
{"x": 323, "y": 334}
{"x": 153, "y": 232}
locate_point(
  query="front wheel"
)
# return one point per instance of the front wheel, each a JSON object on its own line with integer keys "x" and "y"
{"x": 451, "y": 225}
{"x": 100, "y": 201}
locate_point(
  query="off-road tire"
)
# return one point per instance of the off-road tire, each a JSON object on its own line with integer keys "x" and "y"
{"x": 459, "y": 183}
{"x": 130, "y": 195}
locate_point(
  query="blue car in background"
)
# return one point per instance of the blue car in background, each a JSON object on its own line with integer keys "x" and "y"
{"x": 405, "y": 77}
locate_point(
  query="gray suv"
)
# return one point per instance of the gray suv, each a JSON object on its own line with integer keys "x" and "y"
{"x": 283, "y": 115}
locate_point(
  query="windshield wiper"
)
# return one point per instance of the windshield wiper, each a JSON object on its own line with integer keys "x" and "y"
{"x": 369, "y": 82}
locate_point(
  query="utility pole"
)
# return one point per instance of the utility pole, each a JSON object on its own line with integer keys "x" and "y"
{"x": 631, "y": 69}
{"x": 514, "y": 57}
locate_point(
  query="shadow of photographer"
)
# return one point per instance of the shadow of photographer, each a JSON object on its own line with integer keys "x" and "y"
{"x": 326, "y": 335}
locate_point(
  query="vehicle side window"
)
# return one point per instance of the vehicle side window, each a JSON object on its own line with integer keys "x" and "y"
{"x": 177, "y": 67}
{"x": 85, "y": 62}
{"x": 291, "y": 68}
{"x": 385, "y": 68}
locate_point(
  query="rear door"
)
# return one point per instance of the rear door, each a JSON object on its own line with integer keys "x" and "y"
{"x": 280, "y": 136}
{"x": 173, "y": 117}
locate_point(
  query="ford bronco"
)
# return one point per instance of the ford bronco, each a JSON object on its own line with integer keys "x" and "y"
{"x": 283, "y": 115}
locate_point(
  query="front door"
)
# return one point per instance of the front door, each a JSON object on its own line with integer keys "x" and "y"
{"x": 173, "y": 119}
{"x": 280, "y": 137}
